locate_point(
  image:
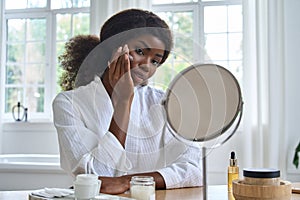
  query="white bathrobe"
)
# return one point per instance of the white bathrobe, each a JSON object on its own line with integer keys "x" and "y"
{"x": 82, "y": 118}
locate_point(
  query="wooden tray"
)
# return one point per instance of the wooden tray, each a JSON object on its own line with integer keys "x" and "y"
{"x": 243, "y": 191}
{"x": 71, "y": 197}
{"x": 296, "y": 188}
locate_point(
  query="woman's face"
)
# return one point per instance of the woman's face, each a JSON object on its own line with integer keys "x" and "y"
{"x": 146, "y": 53}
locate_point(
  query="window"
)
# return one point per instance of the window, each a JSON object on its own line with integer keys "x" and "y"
{"x": 34, "y": 35}
{"x": 205, "y": 31}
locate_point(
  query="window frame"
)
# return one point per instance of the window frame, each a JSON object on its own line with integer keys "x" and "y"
{"x": 50, "y": 79}
{"x": 198, "y": 9}
{"x": 198, "y": 22}
{"x": 184, "y": 7}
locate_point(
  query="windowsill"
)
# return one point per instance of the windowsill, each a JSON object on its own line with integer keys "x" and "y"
{"x": 28, "y": 126}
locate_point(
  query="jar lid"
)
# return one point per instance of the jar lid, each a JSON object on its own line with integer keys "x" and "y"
{"x": 261, "y": 173}
{"x": 86, "y": 179}
{"x": 142, "y": 178}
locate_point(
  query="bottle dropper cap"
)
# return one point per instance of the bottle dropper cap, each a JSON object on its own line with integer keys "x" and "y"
{"x": 233, "y": 160}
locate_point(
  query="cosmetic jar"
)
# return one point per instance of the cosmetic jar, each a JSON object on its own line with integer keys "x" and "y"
{"x": 142, "y": 188}
{"x": 261, "y": 176}
{"x": 262, "y": 184}
{"x": 86, "y": 186}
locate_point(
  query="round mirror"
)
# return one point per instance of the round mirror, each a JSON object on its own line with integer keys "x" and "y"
{"x": 202, "y": 102}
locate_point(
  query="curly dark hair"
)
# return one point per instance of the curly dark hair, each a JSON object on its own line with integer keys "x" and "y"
{"x": 118, "y": 29}
{"x": 76, "y": 50}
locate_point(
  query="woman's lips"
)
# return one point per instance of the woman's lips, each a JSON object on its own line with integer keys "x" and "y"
{"x": 138, "y": 76}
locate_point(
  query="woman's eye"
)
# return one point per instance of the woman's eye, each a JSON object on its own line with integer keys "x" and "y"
{"x": 139, "y": 51}
{"x": 155, "y": 63}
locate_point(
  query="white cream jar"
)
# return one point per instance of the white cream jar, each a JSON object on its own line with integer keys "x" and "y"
{"x": 86, "y": 186}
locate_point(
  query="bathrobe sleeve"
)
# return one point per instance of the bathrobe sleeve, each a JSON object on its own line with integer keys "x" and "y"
{"x": 185, "y": 170}
{"x": 82, "y": 136}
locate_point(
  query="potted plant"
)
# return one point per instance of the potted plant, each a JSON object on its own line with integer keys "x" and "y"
{"x": 296, "y": 156}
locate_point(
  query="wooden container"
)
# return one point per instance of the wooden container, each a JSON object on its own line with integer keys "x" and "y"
{"x": 242, "y": 191}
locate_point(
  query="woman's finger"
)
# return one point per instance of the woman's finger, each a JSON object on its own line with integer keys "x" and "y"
{"x": 118, "y": 67}
{"x": 126, "y": 59}
{"x": 112, "y": 66}
{"x": 114, "y": 60}
{"x": 122, "y": 63}
{"x": 127, "y": 67}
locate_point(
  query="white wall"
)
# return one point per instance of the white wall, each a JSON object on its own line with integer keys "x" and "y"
{"x": 29, "y": 138}
{"x": 218, "y": 159}
{"x": 1, "y": 99}
{"x": 292, "y": 75}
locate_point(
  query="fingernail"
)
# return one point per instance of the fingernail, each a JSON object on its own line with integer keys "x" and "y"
{"x": 108, "y": 64}
{"x": 119, "y": 49}
{"x": 126, "y": 48}
{"x": 130, "y": 57}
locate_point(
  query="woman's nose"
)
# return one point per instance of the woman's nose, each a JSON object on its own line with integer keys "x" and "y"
{"x": 145, "y": 64}
{"x": 145, "y": 67}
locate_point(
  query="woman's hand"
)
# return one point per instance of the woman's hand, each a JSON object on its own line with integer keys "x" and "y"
{"x": 119, "y": 85}
{"x": 118, "y": 185}
{"x": 119, "y": 76}
{"x": 114, "y": 185}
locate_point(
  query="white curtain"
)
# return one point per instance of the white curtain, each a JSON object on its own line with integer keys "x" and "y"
{"x": 103, "y": 9}
{"x": 1, "y": 54}
{"x": 265, "y": 140}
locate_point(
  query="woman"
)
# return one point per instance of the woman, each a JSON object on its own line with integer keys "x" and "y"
{"x": 112, "y": 124}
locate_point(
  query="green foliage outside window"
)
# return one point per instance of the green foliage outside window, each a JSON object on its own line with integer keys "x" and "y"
{"x": 182, "y": 54}
{"x": 296, "y": 156}
{"x": 80, "y": 27}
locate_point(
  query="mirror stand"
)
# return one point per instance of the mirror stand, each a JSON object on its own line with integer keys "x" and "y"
{"x": 204, "y": 180}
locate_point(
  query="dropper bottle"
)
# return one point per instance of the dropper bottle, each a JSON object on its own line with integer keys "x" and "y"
{"x": 233, "y": 170}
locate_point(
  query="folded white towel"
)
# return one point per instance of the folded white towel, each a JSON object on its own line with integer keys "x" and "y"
{"x": 53, "y": 192}
{"x": 67, "y": 194}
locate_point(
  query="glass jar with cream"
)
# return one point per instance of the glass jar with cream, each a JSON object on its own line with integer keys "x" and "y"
{"x": 142, "y": 188}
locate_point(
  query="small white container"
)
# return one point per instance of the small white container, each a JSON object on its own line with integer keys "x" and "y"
{"x": 86, "y": 186}
{"x": 142, "y": 188}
